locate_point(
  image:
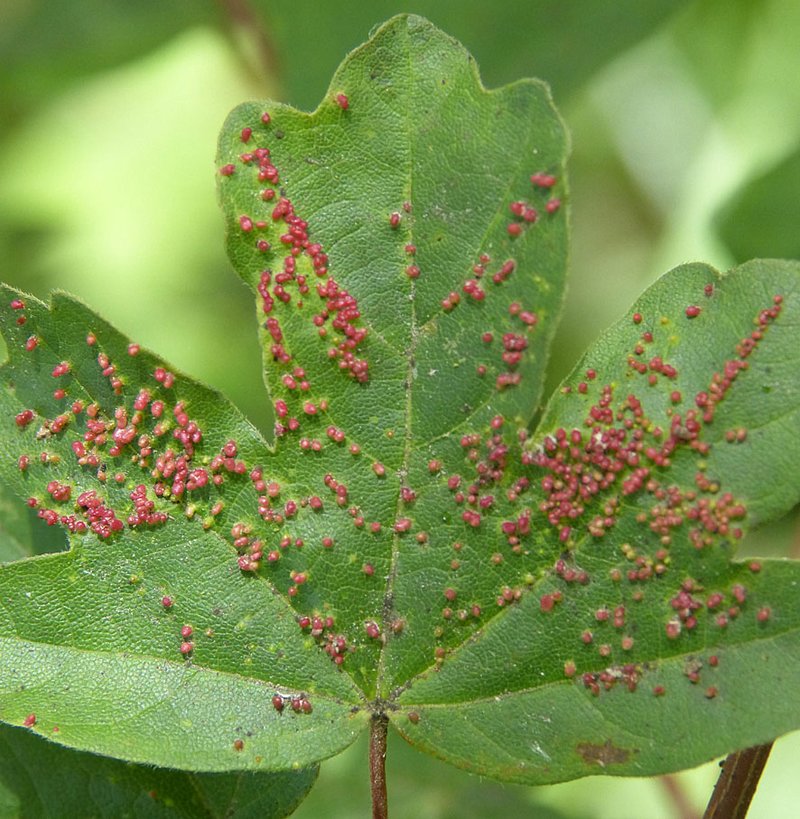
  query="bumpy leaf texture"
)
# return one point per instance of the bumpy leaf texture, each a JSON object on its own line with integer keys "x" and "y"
{"x": 534, "y": 607}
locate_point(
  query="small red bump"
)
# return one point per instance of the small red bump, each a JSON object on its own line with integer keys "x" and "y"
{"x": 543, "y": 180}
{"x": 637, "y": 318}
{"x": 402, "y": 524}
{"x": 29, "y": 721}
{"x": 692, "y": 311}
{"x": 342, "y": 101}
{"x": 246, "y": 134}
{"x": 227, "y": 170}
{"x": 22, "y": 419}
{"x": 266, "y": 118}
{"x": 514, "y": 229}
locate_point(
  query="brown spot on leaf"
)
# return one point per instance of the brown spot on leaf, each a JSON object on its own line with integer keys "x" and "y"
{"x": 603, "y": 755}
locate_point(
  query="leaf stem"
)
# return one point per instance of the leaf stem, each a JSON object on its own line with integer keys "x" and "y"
{"x": 377, "y": 765}
{"x": 737, "y": 783}
{"x": 680, "y": 801}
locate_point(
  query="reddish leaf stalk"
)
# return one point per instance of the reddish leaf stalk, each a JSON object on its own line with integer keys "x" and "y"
{"x": 377, "y": 765}
{"x": 680, "y": 801}
{"x": 737, "y": 783}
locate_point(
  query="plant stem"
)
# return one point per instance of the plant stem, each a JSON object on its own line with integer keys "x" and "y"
{"x": 377, "y": 765}
{"x": 681, "y": 803}
{"x": 251, "y": 41}
{"x": 737, "y": 783}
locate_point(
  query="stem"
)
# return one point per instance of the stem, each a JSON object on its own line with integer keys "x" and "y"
{"x": 682, "y": 804}
{"x": 251, "y": 41}
{"x": 737, "y": 783}
{"x": 377, "y": 765}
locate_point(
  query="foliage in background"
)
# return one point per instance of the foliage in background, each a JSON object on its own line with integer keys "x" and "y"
{"x": 647, "y": 192}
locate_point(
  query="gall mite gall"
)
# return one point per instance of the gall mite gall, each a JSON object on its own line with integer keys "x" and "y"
{"x": 22, "y": 419}
{"x": 543, "y": 180}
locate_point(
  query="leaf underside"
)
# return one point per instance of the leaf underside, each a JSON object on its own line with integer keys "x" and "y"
{"x": 81, "y": 784}
{"x": 531, "y": 606}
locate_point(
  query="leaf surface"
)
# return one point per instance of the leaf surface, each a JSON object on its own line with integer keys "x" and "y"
{"x": 641, "y": 648}
{"x": 532, "y": 606}
{"x": 81, "y": 784}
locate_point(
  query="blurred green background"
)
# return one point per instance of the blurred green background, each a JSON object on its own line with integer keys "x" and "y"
{"x": 685, "y": 121}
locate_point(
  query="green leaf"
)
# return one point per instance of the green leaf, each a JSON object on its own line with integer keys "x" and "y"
{"x": 80, "y": 784}
{"x": 409, "y": 200}
{"x": 405, "y": 547}
{"x": 113, "y": 630}
{"x": 642, "y": 648}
